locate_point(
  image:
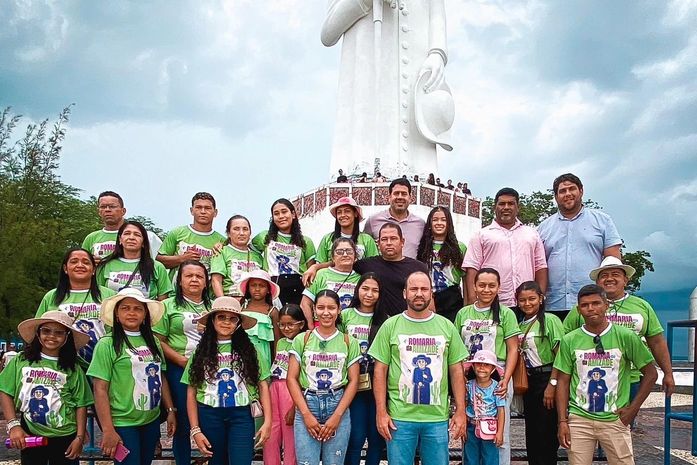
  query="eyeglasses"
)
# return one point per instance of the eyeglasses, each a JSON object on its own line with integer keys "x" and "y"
{"x": 599, "y": 349}
{"x": 109, "y": 207}
{"x": 225, "y": 318}
{"x": 53, "y": 332}
{"x": 289, "y": 325}
{"x": 344, "y": 252}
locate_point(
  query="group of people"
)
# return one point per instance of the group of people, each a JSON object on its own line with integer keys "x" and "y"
{"x": 431, "y": 179}
{"x": 240, "y": 341}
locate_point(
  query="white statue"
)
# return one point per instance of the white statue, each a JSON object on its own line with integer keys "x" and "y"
{"x": 400, "y": 109}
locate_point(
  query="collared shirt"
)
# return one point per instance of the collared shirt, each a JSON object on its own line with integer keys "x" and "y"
{"x": 574, "y": 246}
{"x": 412, "y": 229}
{"x": 516, "y": 253}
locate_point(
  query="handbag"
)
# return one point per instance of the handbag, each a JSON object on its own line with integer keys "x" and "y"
{"x": 485, "y": 428}
{"x": 364, "y": 382}
{"x": 257, "y": 411}
{"x": 520, "y": 374}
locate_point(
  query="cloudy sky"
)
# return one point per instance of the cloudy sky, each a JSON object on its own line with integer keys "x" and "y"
{"x": 237, "y": 98}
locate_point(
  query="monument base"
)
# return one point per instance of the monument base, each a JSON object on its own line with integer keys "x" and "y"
{"x": 313, "y": 207}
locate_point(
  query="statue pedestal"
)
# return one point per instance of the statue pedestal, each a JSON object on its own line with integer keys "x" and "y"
{"x": 313, "y": 207}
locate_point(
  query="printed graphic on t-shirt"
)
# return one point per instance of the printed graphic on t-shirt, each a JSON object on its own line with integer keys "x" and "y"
{"x": 325, "y": 369}
{"x": 598, "y": 379}
{"x": 441, "y": 276}
{"x": 39, "y": 396}
{"x": 147, "y": 390}
{"x": 283, "y": 258}
{"x": 117, "y": 280}
{"x": 279, "y": 367}
{"x": 239, "y": 268}
{"x": 228, "y": 389}
{"x": 529, "y": 346}
{"x": 635, "y": 321}
{"x": 191, "y": 332}
{"x": 206, "y": 254}
{"x": 86, "y": 317}
{"x": 344, "y": 289}
{"x": 421, "y": 360}
{"x": 101, "y": 250}
{"x": 479, "y": 335}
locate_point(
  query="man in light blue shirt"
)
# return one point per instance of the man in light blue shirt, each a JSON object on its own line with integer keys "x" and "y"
{"x": 576, "y": 240}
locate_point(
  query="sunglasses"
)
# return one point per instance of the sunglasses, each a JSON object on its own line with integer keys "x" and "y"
{"x": 599, "y": 349}
{"x": 53, "y": 332}
{"x": 225, "y": 318}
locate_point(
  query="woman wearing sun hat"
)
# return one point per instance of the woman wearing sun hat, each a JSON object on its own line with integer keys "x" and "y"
{"x": 128, "y": 409}
{"x": 348, "y": 215}
{"x": 47, "y": 385}
{"x": 227, "y": 382}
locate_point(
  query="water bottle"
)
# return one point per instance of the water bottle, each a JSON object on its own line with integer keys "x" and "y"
{"x": 31, "y": 441}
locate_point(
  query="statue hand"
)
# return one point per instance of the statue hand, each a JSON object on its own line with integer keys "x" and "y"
{"x": 435, "y": 66}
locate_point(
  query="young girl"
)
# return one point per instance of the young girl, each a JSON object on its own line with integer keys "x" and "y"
{"x": 287, "y": 253}
{"x": 322, "y": 380}
{"x": 235, "y": 259}
{"x": 130, "y": 265}
{"x": 262, "y": 325}
{"x": 441, "y": 251}
{"x": 487, "y": 324}
{"x": 483, "y": 403}
{"x": 50, "y": 390}
{"x": 356, "y": 321}
{"x": 127, "y": 372}
{"x": 225, "y": 381}
{"x": 539, "y": 342}
{"x": 291, "y": 322}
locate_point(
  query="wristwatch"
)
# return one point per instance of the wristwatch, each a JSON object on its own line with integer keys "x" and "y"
{"x": 553, "y": 382}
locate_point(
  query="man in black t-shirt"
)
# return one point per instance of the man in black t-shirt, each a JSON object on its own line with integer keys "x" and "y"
{"x": 392, "y": 268}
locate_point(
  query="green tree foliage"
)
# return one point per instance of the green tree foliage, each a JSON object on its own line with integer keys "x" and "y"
{"x": 536, "y": 207}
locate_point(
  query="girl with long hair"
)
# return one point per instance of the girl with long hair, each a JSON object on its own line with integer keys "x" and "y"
{"x": 291, "y": 323}
{"x": 130, "y": 265}
{"x": 357, "y": 321}
{"x": 235, "y": 258}
{"x": 440, "y": 250}
{"x": 541, "y": 334}
{"x": 487, "y": 324}
{"x": 322, "y": 380}
{"x": 348, "y": 216}
{"x": 225, "y": 382}
{"x": 80, "y": 297}
{"x": 178, "y": 332}
{"x": 49, "y": 390}
{"x": 127, "y": 370}
{"x": 287, "y": 253}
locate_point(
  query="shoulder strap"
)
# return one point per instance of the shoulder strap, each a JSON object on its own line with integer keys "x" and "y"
{"x": 308, "y": 333}
{"x": 346, "y": 341}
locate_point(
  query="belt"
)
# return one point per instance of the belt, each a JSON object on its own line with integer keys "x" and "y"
{"x": 323, "y": 391}
{"x": 541, "y": 369}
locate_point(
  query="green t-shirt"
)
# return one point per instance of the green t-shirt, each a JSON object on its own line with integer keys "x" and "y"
{"x": 630, "y": 312}
{"x": 600, "y": 382}
{"x": 228, "y": 389}
{"x": 134, "y": 377}
{"x": 478, "y": 331}
{"x": 340, "y": 282}
{"x": 324, "y": 362}
{"x": 47, "y": 395}
{"x": 179, "y": 327}
{"x": 231, "y": 263}
{"x": 444, "y": 277}
{"x": 539, "y": 347}
{"x": 101, "y": 243}
{"x": 185, "y": 238}
{"x": 365, "y": 246}
{"x": 116, "y": 273}
{"x": 418, "y": 354}
{"x": 84, "y": 310}
{"x": 282, "y": 257}
{"x": 279, "y": 367}
{"x": 357, "y": 325}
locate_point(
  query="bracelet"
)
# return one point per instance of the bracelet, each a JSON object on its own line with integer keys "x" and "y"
{"x": 194, "y": 431}
{"x": 171, "y": 409}
{"x": 79, "y": 436}
{"x": 12, "y": 423}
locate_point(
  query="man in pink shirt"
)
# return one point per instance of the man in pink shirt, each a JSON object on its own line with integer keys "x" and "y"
{"x": 510, "y": 247}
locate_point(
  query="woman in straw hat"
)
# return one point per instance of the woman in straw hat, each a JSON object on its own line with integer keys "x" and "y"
{"x": 119, "y": 368}
{"x": 227, "y": 388}
{"x": 50, "y": 390}
{"x": 348, "y": 215}
{"x": 79, "y": 296}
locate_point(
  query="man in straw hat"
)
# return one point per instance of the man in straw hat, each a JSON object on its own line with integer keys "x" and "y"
{"x": 598, "y": 357}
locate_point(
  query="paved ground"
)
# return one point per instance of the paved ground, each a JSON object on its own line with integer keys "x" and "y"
{"x": 648, "y": 439}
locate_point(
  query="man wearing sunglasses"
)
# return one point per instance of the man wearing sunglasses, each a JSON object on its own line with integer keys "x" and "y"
{"x": 594, "y": 365}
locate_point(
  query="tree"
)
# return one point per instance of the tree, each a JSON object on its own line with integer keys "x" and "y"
{"x": 536, "y": 207}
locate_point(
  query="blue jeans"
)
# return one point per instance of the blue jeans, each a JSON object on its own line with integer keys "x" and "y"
{"x": 478, "y": 451}
{"x": 141, "y": 441}
{"x": 181, "y": 445}
{"x": 309, "y": 450}
{"x": 230, "y": 430}
{"x": 430, "y": 437}
{"x": 363, "y": 427}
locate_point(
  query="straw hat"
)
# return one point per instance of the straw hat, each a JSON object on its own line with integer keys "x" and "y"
{"x": 612, "y": 262}
{"x": 435, "y": 112}
{"x": 27, "y": 329}
{"x": 264, "y": 276}
{"x": 222, "y": 304}
{"x": 155, "y": 307}
{"x": 343, "y": 201}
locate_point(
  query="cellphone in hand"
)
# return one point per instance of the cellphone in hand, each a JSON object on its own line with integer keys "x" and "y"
{"x": 121, "y": 452}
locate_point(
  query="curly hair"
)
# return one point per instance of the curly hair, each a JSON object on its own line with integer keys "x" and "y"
{"x": 296, "y": 234}
{"x": 204, "y": 365}
{"x": 450, "y": 253}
